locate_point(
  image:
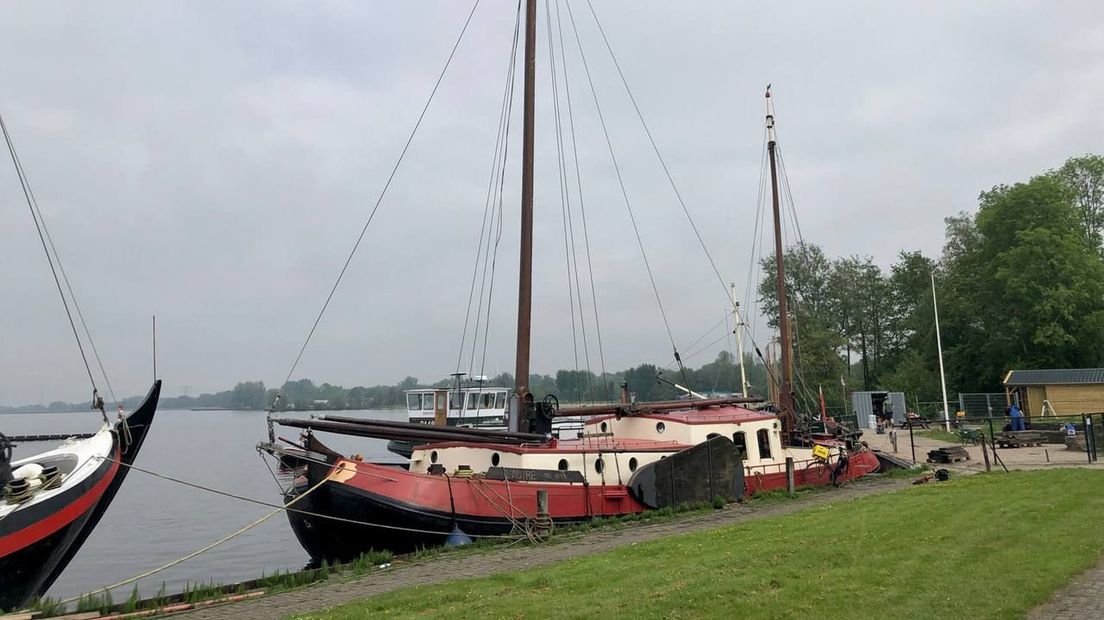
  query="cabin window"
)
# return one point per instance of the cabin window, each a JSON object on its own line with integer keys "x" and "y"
{"x": 500, "y": 400}
{"x": 488, "y": 400}
{"x": 563, "y": 465}
{"x": 740, "y": 440}
{"x": 494, "y": 460}
{"x": 599, "y": 465}
{"x": 660, "y": 427}
{"x": 763, "y": 436}
{"x": 413, "y": 402}
{"x": 602, "y": 427}
{"x": 433, "y": 457}
{"x": 472, "y": 400}
{"x": 427, "y": 402}
{"x": 632, "y": 464}
{"x": 456, "y": 401}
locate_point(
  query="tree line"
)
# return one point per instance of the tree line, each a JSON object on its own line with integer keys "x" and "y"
{"x": 720, "y": 376}
{"x": 1019, "y": 283}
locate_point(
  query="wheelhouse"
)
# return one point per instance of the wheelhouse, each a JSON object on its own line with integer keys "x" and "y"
{"x": 476, "y": 404}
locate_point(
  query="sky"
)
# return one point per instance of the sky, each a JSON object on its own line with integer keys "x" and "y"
{"x": 213, "y": 163}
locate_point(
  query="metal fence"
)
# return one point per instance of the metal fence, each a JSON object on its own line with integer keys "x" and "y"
{"x": 1046, "y": 440}
{"x": 982, "y": 404}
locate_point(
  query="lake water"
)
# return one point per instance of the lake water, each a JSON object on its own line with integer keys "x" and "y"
{"x": 153, "y": 521}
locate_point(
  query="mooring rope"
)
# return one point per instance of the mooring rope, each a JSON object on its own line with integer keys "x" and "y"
{"x": 287, "y": 507}
{"x": 200, "y": 551}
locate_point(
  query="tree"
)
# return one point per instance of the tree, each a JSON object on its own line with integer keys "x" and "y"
{"x": 815, "y": 318}
{"x": 248, "y": 395}
{"x": 1084, "y": 177}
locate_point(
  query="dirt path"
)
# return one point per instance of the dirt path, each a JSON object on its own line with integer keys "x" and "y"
{"x": 449, "y": 567}
{"x": 1082, "y": 598}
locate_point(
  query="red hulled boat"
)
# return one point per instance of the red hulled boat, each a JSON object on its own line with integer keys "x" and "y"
{"x": 630, "y": 458}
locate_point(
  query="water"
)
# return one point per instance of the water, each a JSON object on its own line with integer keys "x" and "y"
{"x": 153, "y": 521}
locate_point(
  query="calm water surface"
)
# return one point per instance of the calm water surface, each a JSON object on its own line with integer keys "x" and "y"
{"x": 153, "y": 521}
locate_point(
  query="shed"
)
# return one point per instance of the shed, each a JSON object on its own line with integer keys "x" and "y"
{"x": 866, "y": 404}
{"x": 1069, "y": 391}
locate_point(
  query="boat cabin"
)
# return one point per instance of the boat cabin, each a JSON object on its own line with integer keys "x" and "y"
{"x": 472, "y": 405}
{"x": 612, "y": 449}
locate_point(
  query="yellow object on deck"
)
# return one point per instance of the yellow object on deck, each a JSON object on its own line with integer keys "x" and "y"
{"x": 821, "y": 452}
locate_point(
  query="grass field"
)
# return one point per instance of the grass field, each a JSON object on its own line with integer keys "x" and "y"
{"x": 968, "y": 548}
{"x": 938, "y": 434}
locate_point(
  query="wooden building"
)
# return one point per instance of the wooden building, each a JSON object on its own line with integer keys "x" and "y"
{"x": 1069, "y": 391}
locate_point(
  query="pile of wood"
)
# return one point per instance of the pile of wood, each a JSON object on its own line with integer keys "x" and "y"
{"x": 953, "y": 454}
{"x": 1019, "y": 439}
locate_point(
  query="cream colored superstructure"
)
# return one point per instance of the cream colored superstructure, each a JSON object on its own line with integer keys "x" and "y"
{"x": 615, "y": 448}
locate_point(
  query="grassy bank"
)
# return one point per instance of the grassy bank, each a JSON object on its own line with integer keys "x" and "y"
{"x": 967, "y": 548}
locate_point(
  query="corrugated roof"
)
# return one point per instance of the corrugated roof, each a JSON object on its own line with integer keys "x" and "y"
{"x": 1056, "y": 376}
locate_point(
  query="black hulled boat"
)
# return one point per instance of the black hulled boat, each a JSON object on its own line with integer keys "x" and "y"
{"x": 52, "y": 501}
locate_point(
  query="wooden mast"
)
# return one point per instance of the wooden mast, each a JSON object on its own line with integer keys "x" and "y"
{"x": 525, "y": 279}
{"x": 785, "y": 387}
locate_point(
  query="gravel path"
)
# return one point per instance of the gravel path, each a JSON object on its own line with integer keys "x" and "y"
{"x": 449, "y": 567}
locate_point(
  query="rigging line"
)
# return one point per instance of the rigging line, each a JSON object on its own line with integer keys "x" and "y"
{"x": 484, "y": 228}
{"x": 561, "y": 170}
{"x": 757, "y": 238}
{"x": 501, "y": 192}
{"x": 498, "y": 167}
{"x": 498, "y": 231}
{"x": 25, "y": 184}
{"x": 620, "y": 180}
{"x": 569, "y": 225}
{"x": 582, "y": 208}
{"x": 383, "y": 192}
{"x": 655, "y": 148}
{"x": 285, "y": 507}
{"x": 65, "y": 277}
{"x": 704, "y": 348}
{"x": 700, "y": 338}
{"x": 566, "y": 188}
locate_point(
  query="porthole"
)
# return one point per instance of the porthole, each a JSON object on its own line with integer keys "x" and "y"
{"x": 563, "y": 465}
{"x": 433, "y": 457}
{"x": 598, "y": 465}
{"x": 494, "y": 460}
{"x": 632, "y": 464}
{"x": 602, "y": 427}
{"x": 660, "y": 427}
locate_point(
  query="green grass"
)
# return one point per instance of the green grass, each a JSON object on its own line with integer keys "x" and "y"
{"x": 965, "y": 548}
{"x": 937, "y": 434}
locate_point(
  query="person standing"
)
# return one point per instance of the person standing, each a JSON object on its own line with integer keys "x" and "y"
{"x": 1017, "y": 417}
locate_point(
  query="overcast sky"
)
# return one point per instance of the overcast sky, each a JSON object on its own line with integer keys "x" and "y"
{"x": 212, "y": 163}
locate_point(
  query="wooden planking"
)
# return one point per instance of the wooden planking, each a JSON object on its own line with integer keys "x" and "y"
{"x": 1075, "y": 399}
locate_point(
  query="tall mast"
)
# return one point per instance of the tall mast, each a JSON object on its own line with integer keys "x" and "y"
{"x": 739, "y": 340}
{"x": 939, "y": 346}
{"x": 785, "y": 387}
{"x": 525, "y": 279}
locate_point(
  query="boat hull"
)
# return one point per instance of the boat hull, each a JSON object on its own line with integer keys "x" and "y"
{"x": 38, "y": 541}
{"x": 408, "y": 511}
{"x": 35, "y": 543}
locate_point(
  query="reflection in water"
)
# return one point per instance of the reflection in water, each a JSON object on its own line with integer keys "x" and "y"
{"x": 154, "y": 521}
